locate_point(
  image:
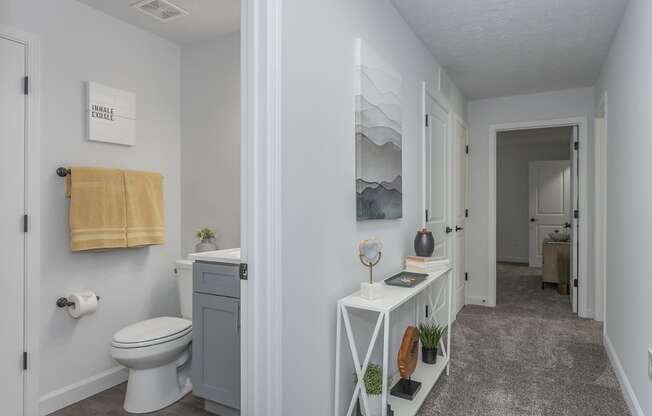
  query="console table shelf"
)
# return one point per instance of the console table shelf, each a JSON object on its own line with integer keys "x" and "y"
{"x": 392, "y": 297}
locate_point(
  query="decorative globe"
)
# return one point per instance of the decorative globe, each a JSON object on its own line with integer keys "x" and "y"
{"x": 370, "y": 249}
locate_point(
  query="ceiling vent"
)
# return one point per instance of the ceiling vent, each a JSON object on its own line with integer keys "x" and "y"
{"x": 161, "y": 10}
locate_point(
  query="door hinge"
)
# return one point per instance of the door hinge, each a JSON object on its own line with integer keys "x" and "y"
{"x": 575, "y": 283}
{"x": 26, "y": 85}
{"x": 576, "y": 145}
{"x": 426, "y": 120}
{"x": 25, "y": 223}
{"x": 24, "y": 360}
{"x": 466, "y": 276}
{"x": 466, "y": 213}
{"x": 427, "y": 216}
{"x": 244, "y": 273}
{"x": 427, "y": 311}
{"x": 576, "y": 214}
{"x": 467, "y": 149}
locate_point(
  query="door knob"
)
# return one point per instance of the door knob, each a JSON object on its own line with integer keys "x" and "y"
{"x": 458, "y": 228}
{"x": 448, "y": 230}
{"x": 532, "y": 220}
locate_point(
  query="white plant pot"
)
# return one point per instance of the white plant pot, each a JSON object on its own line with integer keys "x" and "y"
{"x": 375, "y": 405}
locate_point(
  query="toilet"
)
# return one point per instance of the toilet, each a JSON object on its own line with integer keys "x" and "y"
{"x": 157, "y": 353}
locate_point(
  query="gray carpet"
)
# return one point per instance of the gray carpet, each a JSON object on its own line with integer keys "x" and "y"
{"x": 528, "y": 356}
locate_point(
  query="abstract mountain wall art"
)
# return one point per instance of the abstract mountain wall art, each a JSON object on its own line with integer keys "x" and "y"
{"x": 378, "y": 137}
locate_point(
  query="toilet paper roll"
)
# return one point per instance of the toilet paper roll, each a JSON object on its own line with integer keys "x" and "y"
{"x": 85, "y": 304}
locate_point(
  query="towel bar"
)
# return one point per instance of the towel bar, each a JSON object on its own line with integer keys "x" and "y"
{"x": 63, "y": 172}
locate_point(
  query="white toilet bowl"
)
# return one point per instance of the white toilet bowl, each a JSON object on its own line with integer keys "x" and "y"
{"x": 157, "y": 354}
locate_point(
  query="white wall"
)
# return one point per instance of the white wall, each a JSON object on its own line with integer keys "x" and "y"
{"x": 80, "y": 44}
{"x": 481, "y": 115}
{"x": 210, "y": 140}
{"x": 515, "y": 150}
{"x": 320, "y": 232}
{"x": 627, "y": 78}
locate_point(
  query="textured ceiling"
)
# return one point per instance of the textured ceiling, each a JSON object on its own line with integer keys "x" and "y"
{"x": 207, "y": 18}
{"x": 493, "y": 48}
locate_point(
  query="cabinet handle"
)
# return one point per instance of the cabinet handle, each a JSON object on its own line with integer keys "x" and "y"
{"x": 237, "y": 317}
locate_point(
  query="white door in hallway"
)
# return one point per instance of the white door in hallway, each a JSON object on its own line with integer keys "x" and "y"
{"x": 460, "y": 181}
{"x": 437, "y": 172}
{"x": 550, "y": 203}
{"x": 12, "y": 237}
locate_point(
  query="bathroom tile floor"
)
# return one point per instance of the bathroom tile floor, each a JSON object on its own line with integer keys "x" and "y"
{"x": 109, "y": 403}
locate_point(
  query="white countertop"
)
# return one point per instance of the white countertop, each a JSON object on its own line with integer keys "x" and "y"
{"x": 229, "y": 255}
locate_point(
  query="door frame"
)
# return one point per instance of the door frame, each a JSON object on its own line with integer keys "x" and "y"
{"x": 441, "y": 100}
{"x": 582, "y": 123}
{"x": 458, "y": 119}
{"x": 261, "y": 203}
{"x": 32, "y": 300}
{"x": 600, "y": 212}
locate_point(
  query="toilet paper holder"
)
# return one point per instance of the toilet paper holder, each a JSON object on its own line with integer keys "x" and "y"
{"x": 64, "y": 302}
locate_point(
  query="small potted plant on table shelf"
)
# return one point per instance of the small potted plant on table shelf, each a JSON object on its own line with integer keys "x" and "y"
{"x": 373, "y": 384}
{"x": 206, "y": 237}
{"x": 430, "y": 334}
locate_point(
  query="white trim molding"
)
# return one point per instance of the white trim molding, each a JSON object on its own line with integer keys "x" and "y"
{"x": 628, "y": 391}
{"x": 80, "y": 390}
{"x": 261, "y": 234}
{"x": 32, "y": 298}
{"x": 582, "y": 122}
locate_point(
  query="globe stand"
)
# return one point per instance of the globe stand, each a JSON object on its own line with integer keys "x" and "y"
{"x": 370, "y": 291}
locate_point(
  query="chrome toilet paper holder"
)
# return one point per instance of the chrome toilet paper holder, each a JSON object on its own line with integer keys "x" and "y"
{"x": 64, "y": 302}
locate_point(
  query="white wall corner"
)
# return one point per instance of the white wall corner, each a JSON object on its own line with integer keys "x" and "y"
{"x": 628, "y": 391}
{"x": 80, "y": 390}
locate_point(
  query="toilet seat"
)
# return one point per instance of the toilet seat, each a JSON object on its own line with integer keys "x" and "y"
{"x": 151, "y": 332}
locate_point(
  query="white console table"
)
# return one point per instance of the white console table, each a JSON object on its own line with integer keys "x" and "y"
{"x": 391, "y": 298}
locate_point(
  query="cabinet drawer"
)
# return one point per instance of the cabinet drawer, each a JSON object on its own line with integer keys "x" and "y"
{"x": 216, "y": 279}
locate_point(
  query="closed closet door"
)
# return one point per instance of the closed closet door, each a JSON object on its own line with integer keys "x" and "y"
{"x": 437, "y": 181}
{"x": 12, "y": 236}
{"x": 550, "y": 203}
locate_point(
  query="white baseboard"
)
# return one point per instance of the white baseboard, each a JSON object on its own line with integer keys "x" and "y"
{"x": 477, "y": 300}
{"x": 510, "y": 259}
{"x": 80, "y": 390}
{"x": 628, "y": 392}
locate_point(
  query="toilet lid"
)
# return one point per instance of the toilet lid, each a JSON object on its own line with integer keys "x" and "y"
{"x": 151, "y": 330}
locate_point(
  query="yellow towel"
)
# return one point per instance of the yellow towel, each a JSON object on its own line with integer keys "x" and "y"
{"x": 97, "y": 208}
{"x": 144, "y": 198}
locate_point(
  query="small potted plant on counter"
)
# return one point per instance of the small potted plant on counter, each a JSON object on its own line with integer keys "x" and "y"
{"x": 430, "y": 334}
{"x": 373, "y": 383}
{"x": 206, "y": 237}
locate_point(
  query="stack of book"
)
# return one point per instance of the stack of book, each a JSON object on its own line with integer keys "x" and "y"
{"x": 424, "y": 264}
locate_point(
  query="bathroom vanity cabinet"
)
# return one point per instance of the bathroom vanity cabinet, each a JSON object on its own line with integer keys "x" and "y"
{"x": 216, "y": 336}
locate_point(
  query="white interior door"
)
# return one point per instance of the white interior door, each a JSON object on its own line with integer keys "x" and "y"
{"x": 575, "y": 186}
{"x": 12, "y": 237}
{"x": 437, "y": 170}
{"x": 460, "y": 181}
{"x": 550, "y": 203}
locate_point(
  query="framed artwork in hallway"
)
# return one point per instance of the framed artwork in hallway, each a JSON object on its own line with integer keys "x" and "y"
{"x": 378, "y": 137}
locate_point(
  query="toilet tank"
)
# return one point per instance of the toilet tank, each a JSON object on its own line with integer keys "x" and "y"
{"x": 183, "y": 274}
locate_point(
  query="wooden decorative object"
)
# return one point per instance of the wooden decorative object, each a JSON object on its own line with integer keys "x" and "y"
{"x": 408, "y": 355}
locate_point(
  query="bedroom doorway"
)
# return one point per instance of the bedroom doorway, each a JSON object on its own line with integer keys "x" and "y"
{"x": 528, "y": 226}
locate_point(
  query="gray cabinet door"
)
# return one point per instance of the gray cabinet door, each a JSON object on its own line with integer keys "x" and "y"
{"x": 216, "y": 349}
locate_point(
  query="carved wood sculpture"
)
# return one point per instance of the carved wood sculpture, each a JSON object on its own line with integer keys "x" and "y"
{"x": 408, "y": 354}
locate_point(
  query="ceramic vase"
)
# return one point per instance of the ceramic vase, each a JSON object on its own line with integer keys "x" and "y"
{"x": 424, "y": 243}
{"x": 375, "y": 405}
{"x": 207, "y": 244}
